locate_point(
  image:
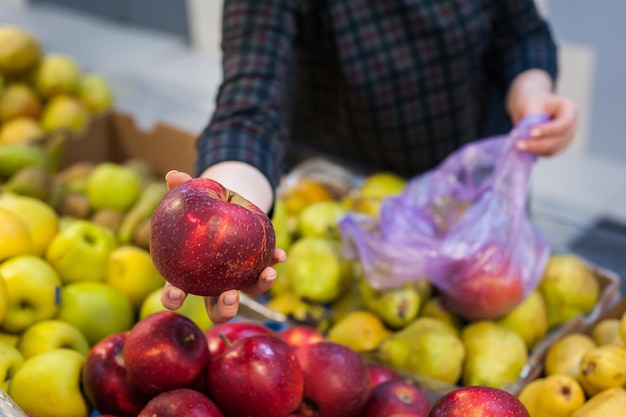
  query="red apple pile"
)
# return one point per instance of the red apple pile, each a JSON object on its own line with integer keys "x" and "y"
{"x": 206, "y": 239}
{"x": 166, "y": 366}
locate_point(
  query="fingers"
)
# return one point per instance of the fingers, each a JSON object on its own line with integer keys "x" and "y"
{"x": 552, "y": 137}
{"x": 223, "y": 307}
{"x": 279, "y": 256}
{"x": 175, "y": 178}
{"x": 172, "y": 298}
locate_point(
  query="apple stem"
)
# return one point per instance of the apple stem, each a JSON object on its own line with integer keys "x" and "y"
{"x": 230, "y": 196}
{"x": 226, "y": 340}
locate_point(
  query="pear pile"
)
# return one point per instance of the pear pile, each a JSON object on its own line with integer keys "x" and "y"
{"x": 44, "y": 91}
{"x": 584, "y": 374}
{"x": 409, "y": 327}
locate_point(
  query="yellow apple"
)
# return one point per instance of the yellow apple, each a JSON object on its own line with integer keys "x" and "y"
{"x": 15, "y": 238}
{"x": 193, "y": 308}
{"x": 48, "y": 385}
{"x": 33, "y": 287}
{"x": 4, "y": 299}
{"x": 11, "y": 359}
{"x": 130, "y": 270}
{"x": 40, "y": 219}
{"x": 80, "y": 251}
{"x": 51, "y": 334}
{"x": 10, "y": 338}
{"x": 96, "y": 309}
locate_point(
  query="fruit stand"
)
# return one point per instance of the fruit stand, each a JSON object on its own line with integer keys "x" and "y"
{"x": 83, "y": 331}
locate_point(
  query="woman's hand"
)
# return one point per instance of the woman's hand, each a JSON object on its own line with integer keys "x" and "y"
{"x": 531, "y": 93}
{"x": 225, "y": 306}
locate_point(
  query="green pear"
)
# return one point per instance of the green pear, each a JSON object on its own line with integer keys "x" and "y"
{"x": 320, "y": 219}
{"x": 396, "y": 307}
{"x": 316, "y": 269}
{"x": 569, "y": 288}
{"x": 496, "y": 355}
{"x": 428, "y": 347}
{"x": 30, "y": 181}
{"x": 529, "y": 319}
{"x": 280, "y": 221}
{"x": 14, "y": 157}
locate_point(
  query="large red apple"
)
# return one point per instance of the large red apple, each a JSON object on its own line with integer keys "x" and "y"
{"x": 256, "y": 376}
{"x": 182, "y": 402}
{"x": 478, "y": 401}
{"x": 380, "y": 373}
{"x": 104, "y": 379}
{"x": 165, "y": 351}
{"x": 300, "y": 335}
{"x": 206, "y": 239}
{"x": 336, "y": 380}
{"x": 220, "y": 335}
{"x": 395, "y": 397}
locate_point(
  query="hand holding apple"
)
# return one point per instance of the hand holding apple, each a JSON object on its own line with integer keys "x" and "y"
{"x": 206, "y": 239}
{"x": 223, "y": 307}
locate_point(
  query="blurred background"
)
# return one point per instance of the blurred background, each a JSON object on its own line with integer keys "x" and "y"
{"x": 162, "y": 59}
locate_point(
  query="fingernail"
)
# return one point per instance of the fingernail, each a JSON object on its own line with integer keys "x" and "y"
{"x": 230, "y": 299}
{"x": 175, "y": 294}
{"x": 534, "y": 133}
{"x": 270, "y": 278}
{"x": 170, "y": 172}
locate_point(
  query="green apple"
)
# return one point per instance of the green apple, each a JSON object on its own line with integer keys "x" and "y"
{"x": 48, "y": 385}
{"x": 40, "y": 219}
{"x": 11, "y": 359}
{"x": 321, "y": 219}
{"x": 32, "y": 286}
{"x": 51, "y": 334}
{"x": 130, "y": 270}
{"x": 96, "y": 309}
{"x": 80, "y": 251}
{"x": 193, "y": 308}
{"x": 113, "y": 186}
{"x": 316, "y": 270}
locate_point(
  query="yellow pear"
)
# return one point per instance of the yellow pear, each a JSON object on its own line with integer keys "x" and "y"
{"x": 19, "y": 100}
{"x": 552, "y": 396}
{"x": 622, "y": 328}
{"x": 495, "y": 355}
{"x": 20, "y": 130}
{"x": 40, "y": 219}
{"x": 57, "y": 74}
{"x": 15, "y": 238}
{"x": 19, "y": 50}
{"x": 608, "y": 403}
{"x": 529, "y": 319}
{"x": 359, "y": 330}
{"x": 569, "y": 288}
{"x": 607, "y": 331}
{"x": 95, "y": 92}
{"x": 434, "y": 307}
{"x": 395, "y": 306}
{"x": 603, "y": 367}
{"x": 428, "y": 347}
{"x": 304, "y": 192}
{"x": 64, "y": 112}
{"x": 564, "y": 355}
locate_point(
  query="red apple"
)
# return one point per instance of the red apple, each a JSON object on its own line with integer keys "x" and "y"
{"x": 485, "y": 296}
{"x": 256, "y": 376}
{"x": 206, "y": 239}
{"x": 380, "y": 373}
{"x": 300, "y": 335}
{"x": 336, "y": 380}
{"x": 104, "y": 379}
{"x": 395, "y": 397}
{"x": 165, "y": 351}
{"x": 478, "y": 401}
{"x": 182, "y": 402}
{"x": 218, "y": 335}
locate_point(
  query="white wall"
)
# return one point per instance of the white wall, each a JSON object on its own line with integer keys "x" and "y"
{"x": 205, "y": 24}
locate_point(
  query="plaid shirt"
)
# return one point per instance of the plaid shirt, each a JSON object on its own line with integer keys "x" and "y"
{"x": 392, "y": 84}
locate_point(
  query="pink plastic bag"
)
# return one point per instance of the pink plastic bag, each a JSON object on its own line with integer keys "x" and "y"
{"x": 463, "y": 225}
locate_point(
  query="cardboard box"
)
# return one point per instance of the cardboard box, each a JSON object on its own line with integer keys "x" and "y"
{"x": 116, "y": 137}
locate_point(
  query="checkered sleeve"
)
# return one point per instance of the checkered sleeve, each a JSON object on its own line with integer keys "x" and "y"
{"x": 248, "y": 124}
{"x": 521, "y": 40}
